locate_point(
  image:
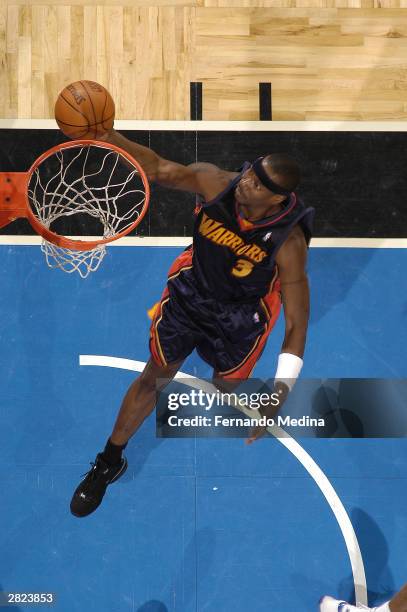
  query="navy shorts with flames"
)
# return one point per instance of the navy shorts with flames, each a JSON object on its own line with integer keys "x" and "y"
{"x": 229, "y": 337}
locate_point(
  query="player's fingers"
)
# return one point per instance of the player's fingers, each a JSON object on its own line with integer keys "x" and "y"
{"x": 257, "y": 433}
{"x": 252, "y": 437}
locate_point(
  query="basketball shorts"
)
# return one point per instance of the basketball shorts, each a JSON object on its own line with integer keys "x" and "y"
{"x": 228, "y": 336}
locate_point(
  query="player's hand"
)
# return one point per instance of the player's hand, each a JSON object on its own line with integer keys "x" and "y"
{"x": 106, "y": 136}
{"x": 269, "y": 412}
{"x": 256, "y": 433}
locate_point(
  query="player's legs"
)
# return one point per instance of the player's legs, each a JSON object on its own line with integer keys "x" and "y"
{"x": 140, "y": 400}
{"x": 172, "y": 337}
{"x": 109, "y": 466}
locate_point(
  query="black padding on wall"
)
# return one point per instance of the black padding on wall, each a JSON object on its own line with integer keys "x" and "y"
{"x": 265, "y": 109}
{"x": 195, "y": 101}
{"x": 357, "y": 181}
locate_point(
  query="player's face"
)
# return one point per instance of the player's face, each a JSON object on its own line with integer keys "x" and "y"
{"x": 250, "y": 191}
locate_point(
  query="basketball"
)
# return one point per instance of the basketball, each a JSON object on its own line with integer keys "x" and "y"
{"x": 84, "y": 110}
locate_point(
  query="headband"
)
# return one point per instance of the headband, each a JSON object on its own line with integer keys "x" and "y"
{"x": 262, "y": 175}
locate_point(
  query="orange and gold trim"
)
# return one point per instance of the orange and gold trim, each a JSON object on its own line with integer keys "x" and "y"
{"x": 155, "y": 345}
{"x": 181, "y": 263}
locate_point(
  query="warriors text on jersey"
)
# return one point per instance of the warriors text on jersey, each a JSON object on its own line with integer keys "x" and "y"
{"x": 234, "y": 259}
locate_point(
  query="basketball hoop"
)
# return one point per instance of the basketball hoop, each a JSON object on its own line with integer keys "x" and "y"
{"x": 73, "y": 183}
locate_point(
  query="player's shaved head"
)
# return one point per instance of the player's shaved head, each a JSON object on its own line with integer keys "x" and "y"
{"x": 283, "y": 169}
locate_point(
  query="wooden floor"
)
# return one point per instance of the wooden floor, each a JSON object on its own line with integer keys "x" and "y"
{"x": 324, "y": 59}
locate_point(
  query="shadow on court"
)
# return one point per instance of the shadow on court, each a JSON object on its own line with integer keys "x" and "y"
{"x": 153, "y": 606}
{"x": 361, "y": 408}
{"x": 339, "y": 421}
{"x": 375, "y": 554}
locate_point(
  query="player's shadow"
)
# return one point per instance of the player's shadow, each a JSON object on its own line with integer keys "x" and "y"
{"x": 361, "y": 408}
{"x": 339, "y": 421}
{"x": 184, "y": 579}
{"x": 375, "y": 555}
{"x": 153, "y": 606}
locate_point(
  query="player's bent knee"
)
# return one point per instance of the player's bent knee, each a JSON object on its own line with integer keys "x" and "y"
{"x": 155, "y": 378}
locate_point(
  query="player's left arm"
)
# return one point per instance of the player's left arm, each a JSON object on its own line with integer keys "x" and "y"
{"x": 291, "y": 261}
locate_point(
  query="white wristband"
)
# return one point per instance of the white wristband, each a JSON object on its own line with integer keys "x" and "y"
{"x": 288, "y": 369}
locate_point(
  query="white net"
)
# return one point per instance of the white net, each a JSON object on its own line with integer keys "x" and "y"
{"x": 83, "y": 262}
{"x": 87, "y": 191}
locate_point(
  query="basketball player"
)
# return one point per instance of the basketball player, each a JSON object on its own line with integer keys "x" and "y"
{"x": 223, "y": 294}
{"x": 397, "y": 604}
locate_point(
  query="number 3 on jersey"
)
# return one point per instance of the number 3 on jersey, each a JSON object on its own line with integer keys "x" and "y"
{"x": 243, "y": 267}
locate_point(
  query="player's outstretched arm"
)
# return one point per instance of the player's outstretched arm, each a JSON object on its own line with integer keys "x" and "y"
{"x": 203, "y": 178}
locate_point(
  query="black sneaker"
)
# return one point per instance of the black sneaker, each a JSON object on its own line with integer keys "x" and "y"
{"x": 91, "y": 490}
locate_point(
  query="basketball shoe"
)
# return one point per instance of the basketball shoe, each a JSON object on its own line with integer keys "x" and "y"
{"x": 89, "y": 494}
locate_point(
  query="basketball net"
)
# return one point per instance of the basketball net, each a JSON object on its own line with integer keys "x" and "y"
{"x": 83, "y": 262}
{"x": 80, "y": 184}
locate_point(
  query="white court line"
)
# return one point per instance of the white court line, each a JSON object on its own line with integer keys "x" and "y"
{"x": 224, "y": 126}
{"x": 313, "y": 469}
{"x": 183, "y": 241}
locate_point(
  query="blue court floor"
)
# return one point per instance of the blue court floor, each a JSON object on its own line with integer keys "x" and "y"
{"x": 194, "y": 525}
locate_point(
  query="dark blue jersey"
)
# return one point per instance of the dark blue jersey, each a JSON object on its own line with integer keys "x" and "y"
{"x": 234, "y": 259}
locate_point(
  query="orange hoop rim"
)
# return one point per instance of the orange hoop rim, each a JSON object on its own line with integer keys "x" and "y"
{"x": 81, "y": 245}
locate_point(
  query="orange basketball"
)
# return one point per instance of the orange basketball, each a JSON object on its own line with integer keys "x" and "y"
{"x": 84, "y": 110}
